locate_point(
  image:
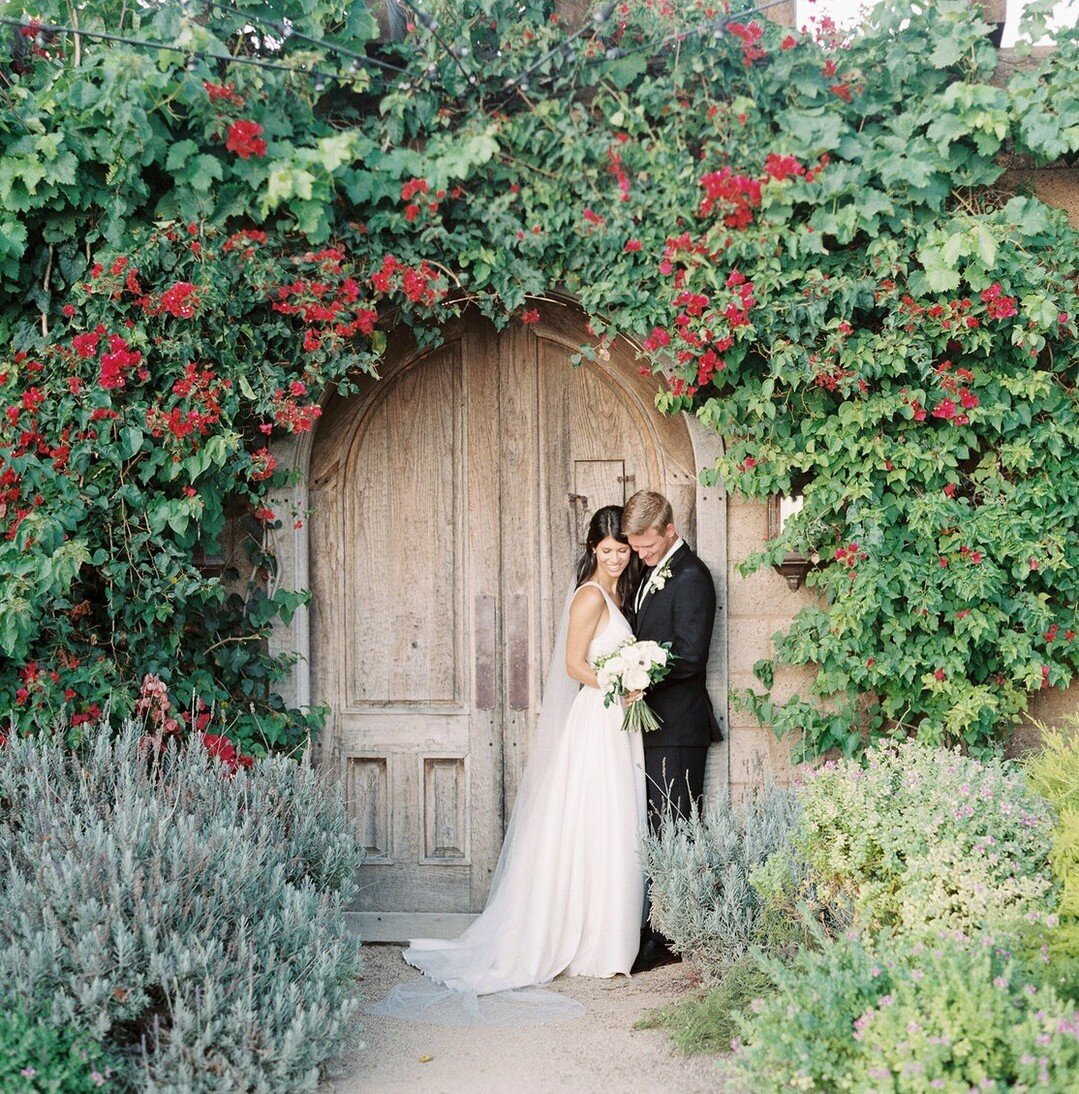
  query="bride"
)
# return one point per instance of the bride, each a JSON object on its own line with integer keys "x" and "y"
{"x": 568, "y": 892}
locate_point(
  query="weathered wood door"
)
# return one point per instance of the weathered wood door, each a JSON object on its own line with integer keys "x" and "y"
{"x": 449, "y": 501}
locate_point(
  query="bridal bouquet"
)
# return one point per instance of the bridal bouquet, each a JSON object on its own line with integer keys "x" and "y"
{"x": 633, "y": 666}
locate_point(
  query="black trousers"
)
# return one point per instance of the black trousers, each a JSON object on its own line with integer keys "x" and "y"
{"x": 675, "y": 778}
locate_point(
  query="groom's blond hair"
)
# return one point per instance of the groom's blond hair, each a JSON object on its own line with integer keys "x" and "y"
{"x": 646, "y": 509}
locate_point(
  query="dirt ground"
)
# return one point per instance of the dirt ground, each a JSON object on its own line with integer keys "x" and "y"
{"x": 595, "y": 1054}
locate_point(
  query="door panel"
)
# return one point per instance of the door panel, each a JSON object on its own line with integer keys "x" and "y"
{"x": 450, "y": 501}
{"x": 403, "y": 475}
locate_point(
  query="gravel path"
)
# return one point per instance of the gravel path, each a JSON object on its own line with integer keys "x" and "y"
{"x": 595, "y": 1054}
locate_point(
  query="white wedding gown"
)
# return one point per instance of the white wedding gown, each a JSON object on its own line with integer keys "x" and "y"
{"x": 569, "y": 890}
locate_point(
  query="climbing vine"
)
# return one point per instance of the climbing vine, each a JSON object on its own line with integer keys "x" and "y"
{"x": 809, "y": 237}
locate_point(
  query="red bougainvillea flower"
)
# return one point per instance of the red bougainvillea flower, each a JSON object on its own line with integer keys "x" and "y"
{"x": 632, "y": 245}
{"x": 243, "y": 239}
{"x": 659, "y": 337}
{"x": 86, "y": 344}
{"x": 782, "y": 167}
{"x": 114, "y": 363}
{"x": 849, "y": 555}
{"x": 413, "y": 187}
{"x": 999, "y": 305}
{"x": 749, "y": 36}
{"x": 245, "y": 139}
{"x": 739, "y": 193}
{"x": 263, "y": 465}
{"x": 225, "y": 751}
{"x": 532, "y": 316}
{"x": 180, "y": 300}
{"x": 222, "y": 93}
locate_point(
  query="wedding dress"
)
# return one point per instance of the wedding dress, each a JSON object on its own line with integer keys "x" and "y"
{"x": 568, "y": 891}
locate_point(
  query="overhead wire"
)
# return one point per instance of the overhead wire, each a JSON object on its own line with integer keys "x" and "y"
{"x": 322, "y": 76}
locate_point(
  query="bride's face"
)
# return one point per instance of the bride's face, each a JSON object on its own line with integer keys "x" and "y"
{"x": 612, "y": 557}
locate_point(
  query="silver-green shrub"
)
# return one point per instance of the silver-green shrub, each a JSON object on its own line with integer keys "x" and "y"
{"x": 699, "y": 874}
{"x": 187, "y": 917}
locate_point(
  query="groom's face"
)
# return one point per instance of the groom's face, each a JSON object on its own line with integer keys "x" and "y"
{"x": 653, "y": 543}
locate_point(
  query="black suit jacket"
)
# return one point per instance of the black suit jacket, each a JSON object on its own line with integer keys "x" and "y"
{"x": 682, "y": 613}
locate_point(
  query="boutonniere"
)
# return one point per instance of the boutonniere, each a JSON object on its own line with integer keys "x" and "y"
{"x": 659, "y": 578}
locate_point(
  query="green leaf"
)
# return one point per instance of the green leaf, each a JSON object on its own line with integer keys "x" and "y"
{"x": 623, "y": 71}
{"x": 985, "y": 245}
{"x": 130, "y": 441}
{"x": 201, "y": 172}
{"x": 179, "y": 154}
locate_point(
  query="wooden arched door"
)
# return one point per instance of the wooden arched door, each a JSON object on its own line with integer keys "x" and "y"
{"x": 448, "y": 503}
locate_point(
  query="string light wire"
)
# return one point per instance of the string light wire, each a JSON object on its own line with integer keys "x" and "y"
{"x": 521, "y": 81}
{"x": 286, "y": 31}
{"x": 430, "y": 23}
{"x": 719, "y": 23}
{"x": 190, "y": 54}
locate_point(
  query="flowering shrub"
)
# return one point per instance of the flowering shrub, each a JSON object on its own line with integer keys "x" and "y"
{"x": 188, "y": 919}
{"x": 900, "y": 355}
{"x": 921, "y": 840}
{"x": 131, "y": 437}
{"x": 936, "y": 1015}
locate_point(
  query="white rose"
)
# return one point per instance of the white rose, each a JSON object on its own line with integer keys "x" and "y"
{"x": 653, "y": 652}
{"x": 635, "y": 679}
{"x": 616, "y": 665}
{"x": 606, "y": 679}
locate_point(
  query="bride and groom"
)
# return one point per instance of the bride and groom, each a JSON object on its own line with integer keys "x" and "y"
{"x": 568, "y": 895}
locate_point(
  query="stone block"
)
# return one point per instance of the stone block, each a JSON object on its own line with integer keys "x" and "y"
{"x": 766, "y": 593}
{"x": 757, "y": 755}
{"x": 747, "y": 527}
{"x": 793, "y": 680}
{"x": 748, "y": 640}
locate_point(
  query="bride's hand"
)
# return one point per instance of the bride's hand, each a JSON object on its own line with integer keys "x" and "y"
{"x": 631, "y": 697}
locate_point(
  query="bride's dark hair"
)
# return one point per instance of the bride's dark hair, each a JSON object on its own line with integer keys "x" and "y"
{"x": 608, "y": 522}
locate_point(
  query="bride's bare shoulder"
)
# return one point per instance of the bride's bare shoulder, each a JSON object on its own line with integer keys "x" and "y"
{"x": 588, "y": 605}
{"x": 587, "y": 598}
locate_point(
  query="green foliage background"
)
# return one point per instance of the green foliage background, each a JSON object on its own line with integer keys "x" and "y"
{"x": 959, "y": 596}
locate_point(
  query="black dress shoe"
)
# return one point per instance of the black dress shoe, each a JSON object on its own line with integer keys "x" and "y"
{"x": 653, "y": 954}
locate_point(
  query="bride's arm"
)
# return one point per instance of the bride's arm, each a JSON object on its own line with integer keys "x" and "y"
{"x": 585, "y": 613}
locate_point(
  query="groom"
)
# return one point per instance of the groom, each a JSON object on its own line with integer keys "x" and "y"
{"x": 676, "y": 603}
